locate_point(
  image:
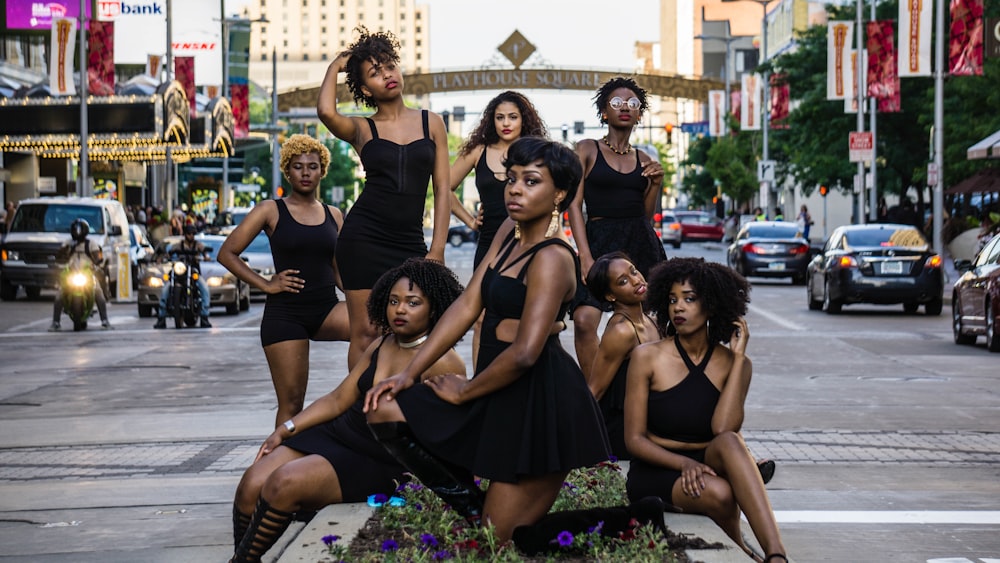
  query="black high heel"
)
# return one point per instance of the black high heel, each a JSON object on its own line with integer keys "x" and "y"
{"x": 766, "y": 469}
{"x": 266, "y": 526}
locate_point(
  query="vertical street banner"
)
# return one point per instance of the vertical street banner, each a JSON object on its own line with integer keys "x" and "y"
{"x": 992, "y": 44}
{"x": 965, "y": 49}
{"x": 839, "y": 35}
{"x": 101, "y": 59}
{"x": 716, "y": 113}
{"x": 751, "y": 91}
{"x": 238, "y": 87}
{"x": 61, "y": 53}
{"x": 915, "y": 20}
{"x": 851, "y": 101}
{"x": 153, "y": 64}
{"x": 883, "y": 82}
{"x": 780, "y": 101}
{"x": 184, "y": 73}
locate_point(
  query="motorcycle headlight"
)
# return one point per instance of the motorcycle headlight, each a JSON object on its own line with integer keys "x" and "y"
{"x": 214, "y": 281}
{"x": 77, "y": 280}
{"x": 180, "y": 268}
{"x": 154, "y": 282}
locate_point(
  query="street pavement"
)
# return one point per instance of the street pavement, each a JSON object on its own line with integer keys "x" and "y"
{"x": 127, "y": 446}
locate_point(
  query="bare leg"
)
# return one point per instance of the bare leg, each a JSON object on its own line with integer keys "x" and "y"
{"x": 511, "y": 505}
{"x": 336, "y": 325}
{"x": 289, "y": 364}
{"x": 363, "y": 333}
{"x": 716, "y": 502}
{"x": 585, "y": 322}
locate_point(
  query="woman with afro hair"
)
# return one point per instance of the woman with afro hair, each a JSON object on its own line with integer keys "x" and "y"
{"x": 400, "y": 149}
{"x": 302, "y": 303}
{"x": 684, "y": 403}
{"x": 619, "y": 188}
{"x": 327, "y": 454}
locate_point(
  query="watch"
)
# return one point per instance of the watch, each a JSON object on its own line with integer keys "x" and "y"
{"x": 290, "y": 426}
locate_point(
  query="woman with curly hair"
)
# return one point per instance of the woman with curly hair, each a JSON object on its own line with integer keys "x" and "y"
{"x": 326, "y": 454}
{"x": 619, "y": 190}
{"x": 302, "y": 302}
{"x": 684, "y": 404}
{"x": 401, "y": 149}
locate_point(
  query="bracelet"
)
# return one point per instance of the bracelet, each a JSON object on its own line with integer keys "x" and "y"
{"x": 290, "y": 426}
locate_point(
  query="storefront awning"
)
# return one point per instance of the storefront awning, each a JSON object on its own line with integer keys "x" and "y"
{"x": 986, "y": 180}
{"x": 987, "y": 148}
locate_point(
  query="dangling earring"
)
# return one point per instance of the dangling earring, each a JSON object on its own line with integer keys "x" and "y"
{"x": 553, "y": 223}
{"x": 517, "y": 230}
{"x": 666, "y": 331}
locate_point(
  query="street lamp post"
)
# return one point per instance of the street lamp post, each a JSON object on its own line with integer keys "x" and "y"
{"x": 727, "y": 67}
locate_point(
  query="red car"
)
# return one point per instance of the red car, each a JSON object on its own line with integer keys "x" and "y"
{"x": 698, "y": 225}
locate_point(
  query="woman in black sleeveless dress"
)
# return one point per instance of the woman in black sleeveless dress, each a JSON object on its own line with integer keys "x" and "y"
{"x": 684, "y": 404}
{"x": 620, "y": 188}
{"x": 302, "y": 302}
{"x": 328, "y": 455}
{"x": 401, "y": 149}
{"x": 507, "y": 117}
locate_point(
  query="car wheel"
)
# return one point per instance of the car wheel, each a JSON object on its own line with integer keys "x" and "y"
{"x": 992, "y": 338}
{"x": 798, "y": 279}
{"x": 233, "y": 308}
{"x": 677, "y": 244}
{"x": 956, "y": 325}
{"x": 455, "y": 239}
{"x": 933, "y": 308}
{"x": 245, "y": 302}
{"x": 145, "y": 311}
{"x": 8, "y": 291}
{"x": 910, "y": 307}
{"x": 33, "y": 292}
{"x": 814, "y": 304}
{"x": 830, "y": 305}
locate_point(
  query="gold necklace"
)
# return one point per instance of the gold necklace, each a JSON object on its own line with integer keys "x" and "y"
{"x": 614, "y": 150}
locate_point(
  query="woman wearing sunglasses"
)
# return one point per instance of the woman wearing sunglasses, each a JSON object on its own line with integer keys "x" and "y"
{"x": 619, "y": 188}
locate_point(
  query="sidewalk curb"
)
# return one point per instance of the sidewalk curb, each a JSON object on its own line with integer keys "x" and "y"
{"x": 345, "y": 520}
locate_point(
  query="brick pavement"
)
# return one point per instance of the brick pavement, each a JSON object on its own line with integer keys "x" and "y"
{"x": 204, "y": 457}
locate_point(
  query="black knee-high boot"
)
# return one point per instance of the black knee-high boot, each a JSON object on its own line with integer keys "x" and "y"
{"x": 240, "y": 524}
{"x": 266, "y": 526}
{"x": 453, "y": 484}
{"x": 541, "y": 536}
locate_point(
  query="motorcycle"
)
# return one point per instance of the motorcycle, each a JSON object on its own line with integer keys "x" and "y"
{"x": 76, "y": 290}
{"x": 183, "y": 297}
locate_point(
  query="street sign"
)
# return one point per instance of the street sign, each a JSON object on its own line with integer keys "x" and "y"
{"x": 860, "y": 146}
{"x": 765, "y": 171}
{"x": 932, "y": 174}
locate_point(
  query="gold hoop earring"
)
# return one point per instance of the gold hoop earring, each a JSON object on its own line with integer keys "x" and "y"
{"x": 517, "y": 230}
{"x": 553, "y": 223}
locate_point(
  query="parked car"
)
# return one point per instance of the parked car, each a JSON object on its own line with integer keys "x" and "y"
{"x": 773, "y": 249}
{"x": 975, "y": 301}
{"x": 698, "y": 225}
{"x": 670, "y": 229}
{"x": 225, "y": 289}
{"x": 461, "y": 233}
{"x": 140, "y": 252}
{"x": 258, "y": 255}
{"x": 882, "y": 264}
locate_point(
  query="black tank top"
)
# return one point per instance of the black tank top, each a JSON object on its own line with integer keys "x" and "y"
{"x": 610, "y": 193}
{"x": 491, "y": 191}
{"x": 307, "y": 248}
{"x": 391, "y": 206}
{"x": 684, "y": 412}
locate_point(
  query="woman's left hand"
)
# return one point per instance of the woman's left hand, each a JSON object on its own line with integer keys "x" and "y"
{"x": 738, "y": 341}
{"x": 653, "y": 170}
{"x": 448, "y": 386}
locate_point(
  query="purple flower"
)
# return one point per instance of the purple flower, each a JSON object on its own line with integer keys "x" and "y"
{"x": 429, "y": 540}
{"x": 596, "y": 529}
{"x": 418, "y": 507}
{"x": 441, "y": 555}
{"x": 390, "y": 545}
{"x": 565, "y": 538}
{"x": 329, "y": 540}
{"x": 381, "y": 498}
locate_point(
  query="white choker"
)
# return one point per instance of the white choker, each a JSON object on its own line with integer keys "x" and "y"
{"x": 412, "y": 343}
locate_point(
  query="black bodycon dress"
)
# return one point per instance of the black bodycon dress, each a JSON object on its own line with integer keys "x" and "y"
{"x": 385, "y": 225}
{"x": 546, "y": 421}
{"x": 682, "y": 413}
{"x": 491, "y": 189}
{"x": 310, "y": 250}
{"x": 362, "y": 464}
{"x": 612, "y": 402}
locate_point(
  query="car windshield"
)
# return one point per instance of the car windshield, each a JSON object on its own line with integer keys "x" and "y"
{"x": 260, "y": 243}
{"x": 773, "y": 231}
{"x": 42, "y": 217}
{"x": 901, "y": 236}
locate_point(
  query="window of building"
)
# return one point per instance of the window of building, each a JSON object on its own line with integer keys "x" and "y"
{"x": 305, "y": 56}
{"x": 284, "y": 43}
{"x": 323, "y": 57}
{"x": 419, "y": 15}
{"x": 418, "y": 56}
{"x": 418, "y": 29}
{"x": 284, "y": 57}
{"x": 342, "y": 15}
{"x": 263, "y": 56}
{"x": 263, "y": 30}
{"x": 419, "y": 42}
{"x": 381, "y": 16}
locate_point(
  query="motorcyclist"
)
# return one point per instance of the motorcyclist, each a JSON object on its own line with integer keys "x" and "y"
{"x": 81, "y": 249}
{"x": 186, "y": 246}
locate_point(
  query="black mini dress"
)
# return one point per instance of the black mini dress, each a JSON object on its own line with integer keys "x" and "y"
{"x": 546, "y": 421}
{"x": 491, "y": 189}
{"x": 363, "y": 465}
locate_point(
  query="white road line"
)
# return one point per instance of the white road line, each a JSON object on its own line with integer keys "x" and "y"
{"x": 888, "y": 516}
{"x": 775, "y": 318}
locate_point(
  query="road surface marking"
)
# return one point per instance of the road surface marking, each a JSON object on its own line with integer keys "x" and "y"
{"x": 888, "y": 516}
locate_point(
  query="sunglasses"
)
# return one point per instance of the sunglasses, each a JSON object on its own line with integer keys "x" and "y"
{"x": 617, "y": 103}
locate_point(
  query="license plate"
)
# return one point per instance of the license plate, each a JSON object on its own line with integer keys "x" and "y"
{"x": 776, "y": 266}
{"x": 894, "y": 267}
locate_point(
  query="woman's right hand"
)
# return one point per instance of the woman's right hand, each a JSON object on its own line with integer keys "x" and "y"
{"x": 390, "y": 386}
{"x": 693, "y": 477}
{"x": 285, "y": 281}
{"x": 340, "y": 63}
{"x": 272, "y": 442}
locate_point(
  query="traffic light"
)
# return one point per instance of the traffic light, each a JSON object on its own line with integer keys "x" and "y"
{"x": 669, "y": 128}
{"x": 823, "y": 190}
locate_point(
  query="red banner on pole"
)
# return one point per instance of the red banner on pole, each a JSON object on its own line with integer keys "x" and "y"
{"x": 101, "y": 58}
{"x": 883, "y": 80}
{"x": 240, "y": 95}
{"x": 184, "y": 73}
{"x": 780, "y": 99}
{"x": 965, "y": 49}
